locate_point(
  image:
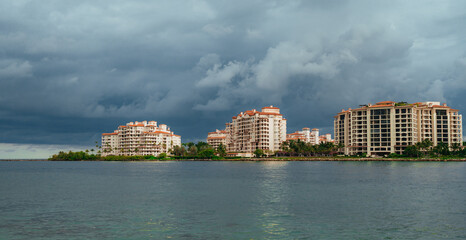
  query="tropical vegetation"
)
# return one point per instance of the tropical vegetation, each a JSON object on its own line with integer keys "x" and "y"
{"x": 190, "y": 150}
{"x": 426, "y": 149}
{"x": 300, "y": 148}
{"x": 289, "y": 149}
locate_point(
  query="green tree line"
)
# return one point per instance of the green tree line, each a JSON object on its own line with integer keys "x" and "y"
{"x": 427, "y": 149}
{"x": 300, "y": 148}
{"x": 190, "y": 150}
{"x": 199, "y": 150}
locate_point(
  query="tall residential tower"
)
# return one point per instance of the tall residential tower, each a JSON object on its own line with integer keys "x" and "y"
{"x": 389, "y": 127}
{"x": 252, "y": 129}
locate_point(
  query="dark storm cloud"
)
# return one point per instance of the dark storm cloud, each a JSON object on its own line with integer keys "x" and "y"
{"x": 72, "y": 70}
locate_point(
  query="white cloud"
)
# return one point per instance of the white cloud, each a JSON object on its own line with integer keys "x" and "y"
{"x": 253, "y": 33}
{"x": 292, "y": 59}
{"x": 15, "y": 69}
{"x": 171, "y": 59}
{"x": 217, "y": 30}
{"x": 221, "y": 75}
{"x": 207, "y": 61}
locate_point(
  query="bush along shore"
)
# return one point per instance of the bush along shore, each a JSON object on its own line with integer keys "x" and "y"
{"x": 188, "y": 151}
{"x": 291, "y": 151}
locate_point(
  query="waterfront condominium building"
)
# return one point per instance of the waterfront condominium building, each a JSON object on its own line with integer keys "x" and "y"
{"x": 306, "y": 135}
{"x": 389, "y": 127}
{"x": 252, "y": 129}
{"x": 326, "y": 138}
{"x": 216, "y": 138}
{"x": 139, "y": 138}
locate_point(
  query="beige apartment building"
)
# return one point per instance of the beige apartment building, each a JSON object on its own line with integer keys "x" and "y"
{"x": 216, "y": 138}
{"x": 326, "y": 138}
{"x": 252, "y": 129}
{"x": 306, "y": 135}
{"x": 139, "y": 138}
{"x": 389, "y": 127}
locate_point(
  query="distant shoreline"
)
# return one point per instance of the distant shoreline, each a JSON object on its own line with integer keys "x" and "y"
{"x": 258, "y": 160}
{"x": 21, "y": 160}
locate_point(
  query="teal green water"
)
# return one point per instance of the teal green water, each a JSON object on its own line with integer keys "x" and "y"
{"x": 232, "y": 200}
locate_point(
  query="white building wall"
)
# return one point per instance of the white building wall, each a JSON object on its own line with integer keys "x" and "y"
{"x": 253, "y": 129}
{"x": 139, "y": 138}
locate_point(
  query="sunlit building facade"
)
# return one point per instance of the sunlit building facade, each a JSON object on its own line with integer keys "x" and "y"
{"x": 216, "y": 138}
{"x": 306, "y": 135}
{"x": 326, "y": 138}
{"x": 139, "y": 138}
{"x": 252, "y": 129}
{"x": 389, "y": 127}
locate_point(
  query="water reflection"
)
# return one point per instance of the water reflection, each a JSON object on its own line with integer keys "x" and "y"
{"x": 273, "y": 164}
{"x": 273, "y": 199}
{"x": 233, "y": 200}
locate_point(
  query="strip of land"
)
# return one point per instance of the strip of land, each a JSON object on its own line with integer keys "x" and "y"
{"x": 283, "y": 159}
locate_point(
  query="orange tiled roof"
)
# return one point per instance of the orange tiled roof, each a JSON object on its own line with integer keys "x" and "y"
{"x": 136, "y": 125}
{"x": 250, "y": 113}
{"x": 270, "y": 108}
{"x": 438, "y": 106}
{"x": 157, "y": 132}
{"x": 384, "y": 102}
{"x": 294, "y": 138}
{"x": 222, "y": 131}
{"x": 267, "y": 113}
{"x": 107, "y": 134}
{"x": 385, "y": 105}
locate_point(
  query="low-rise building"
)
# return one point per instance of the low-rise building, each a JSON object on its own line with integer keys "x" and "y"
{"x": 306, "y": 135}
{"x": 389, "y": 127}
{"x": 216, "y": 138}
{"x": 326, "y": 138}
{"x": 139, "y": 138}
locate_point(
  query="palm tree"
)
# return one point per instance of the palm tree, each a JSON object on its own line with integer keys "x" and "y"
{"x": 340, "y": 145}
{"x": 442, "y": 149}
{"x": 424, "y": 146}
{"x": 285, "y": 146}
{"x": 221, "y": 150}
{"x": 456, "y": 148}
{"x": 192, "y": 150}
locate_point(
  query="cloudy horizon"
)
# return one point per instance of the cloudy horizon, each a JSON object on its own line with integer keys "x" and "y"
{"x": 70, "y": 71}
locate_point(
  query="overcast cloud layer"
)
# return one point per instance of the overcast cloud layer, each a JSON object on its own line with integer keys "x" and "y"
{"x": 70, "y": 70}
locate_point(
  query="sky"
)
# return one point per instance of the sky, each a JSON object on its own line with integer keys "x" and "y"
{"x": 72, "y": 70}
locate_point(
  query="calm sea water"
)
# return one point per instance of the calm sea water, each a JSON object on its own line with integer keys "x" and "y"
{"x": 232, "y": 200}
